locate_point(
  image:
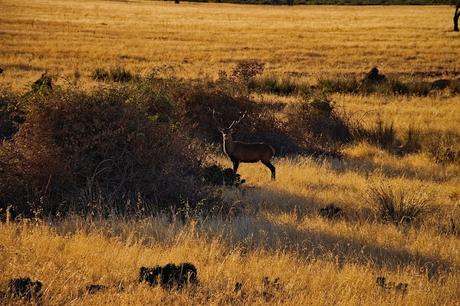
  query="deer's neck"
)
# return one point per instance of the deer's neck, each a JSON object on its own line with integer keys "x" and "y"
{"x": 228, "y": 145}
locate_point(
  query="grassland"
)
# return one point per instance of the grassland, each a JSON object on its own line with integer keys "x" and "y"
{"x": 200, "y": 39}
{"x": 278, "y": 232}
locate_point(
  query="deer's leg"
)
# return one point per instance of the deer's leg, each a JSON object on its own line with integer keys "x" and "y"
{"x": 271, "y": 167}
{"x": 235, "y": 165}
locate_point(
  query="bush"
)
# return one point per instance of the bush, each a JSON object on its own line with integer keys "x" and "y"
{"x": 80, "y": 149}
{"x": 382, "y": 134}
{"x": 272, "y": 84}
{"x": 115, "y": 74}
{"x": 340, "y": 84}
{"x": 316, "y": 122}
{"x": 219, "y": 176}
{"x": 398, "y": 206}
{"x": 444, "y": 148}
{"x": 12, "y": 114}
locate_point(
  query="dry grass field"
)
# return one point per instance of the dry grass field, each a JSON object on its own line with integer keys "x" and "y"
{"x": 195, "y": 39}
{"x": 278, "y": 232}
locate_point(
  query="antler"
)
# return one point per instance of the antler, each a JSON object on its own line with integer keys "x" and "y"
{"x": 237, "y": 121}
{"x": 218, "y": 122}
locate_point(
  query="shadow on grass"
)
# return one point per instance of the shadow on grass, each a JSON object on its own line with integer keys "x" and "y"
{"x": 253, "y": 233}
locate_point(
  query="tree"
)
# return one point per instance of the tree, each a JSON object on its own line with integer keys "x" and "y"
{"x": 456, "y": 16}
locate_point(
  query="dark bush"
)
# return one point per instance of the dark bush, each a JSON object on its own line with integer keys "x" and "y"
{"x": 382, "y": 134}
{"x": 245, "y": 70}
{"x": 330, "y": 211}
{"x": 340, "y": 84}
{"x": 78, "y": 149}
{"x": 43, "y": 84}
{"x": 24, "y": 288}
{"x": 219, "y": 176}
{"x": 280, "y": 86}
{"x": 115, "y": 74}
{"x": 316, "y": 122}
{"x": 100, "y": 75}
{"x": 12, "y": 114}
{"x": 169, "y": 276}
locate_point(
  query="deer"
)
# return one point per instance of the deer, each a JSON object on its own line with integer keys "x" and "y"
{"x": 244, "y": 152}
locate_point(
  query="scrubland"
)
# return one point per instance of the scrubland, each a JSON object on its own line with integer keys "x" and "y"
{"x": 91, "y": 201}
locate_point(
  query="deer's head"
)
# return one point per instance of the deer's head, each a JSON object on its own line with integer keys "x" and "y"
{"x": 227, "y": 131}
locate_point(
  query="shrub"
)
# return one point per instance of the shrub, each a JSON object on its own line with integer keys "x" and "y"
{"x": 316, "y": 121}
{"x": 12, "y": 114}
{"x": 340, "y": 84}
{"x": 382, "y": 134}
{"x": 246, "y": 70}
{"x": 444, "y": 148}
{"x": 398, "y": 206}
{"x": 219, "y": 176}
{"x": 272, "y": 84}
{"x": 115, "y": 74}
{"x": 412, "y": 141}
{"x": 77, "y": 148}
{"x": 100, "y": 75}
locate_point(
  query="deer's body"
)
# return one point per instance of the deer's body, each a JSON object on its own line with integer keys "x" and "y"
{"x": 243, "y": 152}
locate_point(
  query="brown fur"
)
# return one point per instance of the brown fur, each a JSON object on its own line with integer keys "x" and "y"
{"x": 243, "y": 152}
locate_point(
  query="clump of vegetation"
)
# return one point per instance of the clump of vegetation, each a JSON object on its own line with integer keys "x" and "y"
{"x": 382, "y": 134}
{"x": 316, "y": 122}
{"x": 399, "y": 287}
{"x": 246, "y": 70}
{"x": 398, "y": 206}
{"x": 43, "y": 84}
{"x": 444, "y": 148}
{"x": 115, "y": 74}
{"x": 277, "y": 85}
{"x": 330, "y": 211}
{"x": 339, "y": 84}
{"x": 77, "y": 151}
{"x": 12, "y": 114}
{"x": 170, "y": 276}
{"x": 219, "y": 176}
{"x": 24, "y": 289}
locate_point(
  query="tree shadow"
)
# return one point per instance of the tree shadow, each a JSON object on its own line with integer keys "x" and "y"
{"x": 313, "y": 244}
{"x": 260, "y": 199}
{"x": 365, "y": 166}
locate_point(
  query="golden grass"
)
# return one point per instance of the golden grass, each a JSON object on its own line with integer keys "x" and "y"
{"x": 279, "y": 233}
{"x": 195, "y": 39}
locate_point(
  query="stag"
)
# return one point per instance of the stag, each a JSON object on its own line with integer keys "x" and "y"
{"x": 243, "y": 152}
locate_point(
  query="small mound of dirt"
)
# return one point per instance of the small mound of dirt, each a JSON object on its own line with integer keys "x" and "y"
{"x": 170, "y": 275}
